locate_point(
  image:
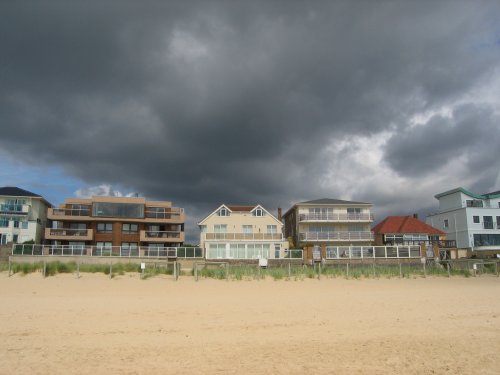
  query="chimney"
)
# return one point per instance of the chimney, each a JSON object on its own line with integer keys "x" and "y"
{"x": 415, "y": 216}
{"x": 279, "y": 213}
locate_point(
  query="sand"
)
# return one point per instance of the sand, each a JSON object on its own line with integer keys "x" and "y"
{"x": 97, "y": 325}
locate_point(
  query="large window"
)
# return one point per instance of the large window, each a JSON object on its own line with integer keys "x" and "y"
{"x": 129, "y": 248}
{"x": 128, "y": 228}
{"x": 106, "y": 209}
{"x": 216, "y": 251}
{"x": 247, "y": 229}
{"x": 104, "y": 227}
{"x": 354, "y": 210}
{"x": 237, "y": 251}
{"x": 220, "y": 228}
{"x": 488, "y": 222}
{"x": 474, "y": 203}
{"x": 475, "y": 219}
{"x": 487, "y": 240}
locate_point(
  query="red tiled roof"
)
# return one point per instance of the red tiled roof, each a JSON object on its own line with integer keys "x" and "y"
{"x": 241, "y": 208}
{"x": 404, "y": 224}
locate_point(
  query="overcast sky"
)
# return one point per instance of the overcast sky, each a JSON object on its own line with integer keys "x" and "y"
{"x": 243, "y": 102}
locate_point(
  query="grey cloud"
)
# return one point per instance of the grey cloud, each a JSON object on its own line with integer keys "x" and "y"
{"x": 211, "y": 102}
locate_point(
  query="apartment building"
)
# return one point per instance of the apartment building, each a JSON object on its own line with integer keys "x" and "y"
{"x": 23, "y": 215}
{"x": 105, "y": 222}
{"x": 472, "y": 220}
{"x": 324, "y": 223}
{"x": 242, "y": 232}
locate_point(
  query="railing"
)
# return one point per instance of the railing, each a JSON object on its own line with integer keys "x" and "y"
{"x": 244, "y": 236}
{"x": 336, "y": 217}
{"x": 161, "y": 234}
{"x": 68, "y": 232}
{"x": 107, "y": 251}
{"x": 14, "y": 208}
{"x": 69, "y": 211}
{"x": 170, "y": 213}
{"x": 294, "y": 254}
{"x": 337, "y": 236}
{"x": 372, "y": 252}
{"x": 446, "y": 244}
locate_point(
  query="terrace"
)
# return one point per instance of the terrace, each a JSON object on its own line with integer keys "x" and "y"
{"x": 336, "y": 217}
{"x": 69, "y": 234}
{"x": 337, "y": 236}
{"x": 244, "y": 236}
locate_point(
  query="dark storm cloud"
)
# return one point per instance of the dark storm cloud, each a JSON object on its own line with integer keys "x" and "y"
{"x": 210, "y": 102}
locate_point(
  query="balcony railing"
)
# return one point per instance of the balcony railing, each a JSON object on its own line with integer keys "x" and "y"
{"x": 68, "y": 234}
{"x": 69, "y": 211}
{"x": 244, "y": 236}
{"x": 158, "y": 236}
{"x": 336, "y": 217}
{"x": 446, "y": 244}
{"x": 337, "y": 236}
{"x": 171, "y": 213}
{"x": 18, "y": 209}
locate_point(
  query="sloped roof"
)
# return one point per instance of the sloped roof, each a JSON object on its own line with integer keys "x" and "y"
{"x": 404, "y": 224}
{"x": 495, "y": 194}
{"x": 331, "y": 201}
{"x": 17, "y": 192}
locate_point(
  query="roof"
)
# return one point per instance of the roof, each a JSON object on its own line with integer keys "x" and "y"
{"x": 13, "y": 191}
{"x": 240, "y": 208}
{"x": 331, "y": 201}
{"x": 495, "y": 194}
{"x": 404, "y": 224}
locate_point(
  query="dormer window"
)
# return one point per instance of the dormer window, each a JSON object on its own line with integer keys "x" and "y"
{"x": 223, "y": 212}
{"x": 258, "y": 212}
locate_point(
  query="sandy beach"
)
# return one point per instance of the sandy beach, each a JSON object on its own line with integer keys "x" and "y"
{"x": 124, "y": 325}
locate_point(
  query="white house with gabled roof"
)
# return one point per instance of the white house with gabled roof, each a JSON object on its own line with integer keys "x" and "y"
{"x": 242, "y": 232}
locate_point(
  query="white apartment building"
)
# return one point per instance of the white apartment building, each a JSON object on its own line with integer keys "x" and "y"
{"x": 473, "y": 220}
{"x": 242, "y": 232}
{"x": 23, "y": 215}
{"x": 329, "y": 222}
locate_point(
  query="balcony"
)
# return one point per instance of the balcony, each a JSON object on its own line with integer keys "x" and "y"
{"x": 170, "y": 215}
{"x": 14, "y": 209}
{"x": 340, "y": 217}
{"x": 336, "y": 236}
{"x": 161, "y": 236}
{"x": 244, "y": 236}
{"x": 69, "y": 213}
{"x": 68, "y": 234}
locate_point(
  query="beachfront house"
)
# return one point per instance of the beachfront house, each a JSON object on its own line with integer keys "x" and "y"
{"x": 23, "y": 215}
{"x": 242, "y": 232}
{"x": 472, "y": 220}
{"x": 323, "y": 225}
{"x": 115, "y": 224}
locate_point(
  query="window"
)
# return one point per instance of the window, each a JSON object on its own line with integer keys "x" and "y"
{"x": 4, "y": 223}
{"x": 24, "y": 225}
{"x": 107, "y": 209}
{"x": 498, "y": 222}
{"x": 14, "y": 238}
{"x": 488, "y": 222}
{"x": 446, "y": 224}
{"x": 277, "y": 250}
{"x": 203, "y": 228}
{"x": 247, "y": 229}
{"x": 16, "y": 224}
{"x": 104, "y": 227}
{"x": 129, "y": 248}
{"x": 130, "y": 228}
{"x": 272, "y": 229}
{"x": 258, "y": 212}
{"x": 220, "y": 228}
{"x": 237, "y": 251}
{"x": 474, "y": 203}
{"x": 475, "y": 219}
{"x": 354, "y": 210}
{"x": 216, "y": 251}
{"x": 104, "y": 245}
{"x": 487, "y": 240}
{"x": 223, "y": 212}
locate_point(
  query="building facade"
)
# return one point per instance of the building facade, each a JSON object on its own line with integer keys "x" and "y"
{"x": 472, "y": 220}
{"x": 327, "y": 223}
{"x": 23, "y": 216}
{"x": 106, "y": 222}
{"x": 242, "y": 232}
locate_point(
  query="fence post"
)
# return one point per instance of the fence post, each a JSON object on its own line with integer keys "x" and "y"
{"x": 78, "y": 270}
{"x": 400, "y": 269}
{"x": 44, "y": 268}
{"x": 111, "y": 270}
{"x": 175, "y": 271}
{"x": 319, "y": 271}
{"x": 195, "y": 265}
{"x": 289, "y": 271}
{"x": 9, "y": 266}
{"x": 425, "y": 271}
{"x": 227, "y": 271}
{"x": 347, "y": 270}
{"x": 448, "y": 267}
{"x": 496, "y": 268}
